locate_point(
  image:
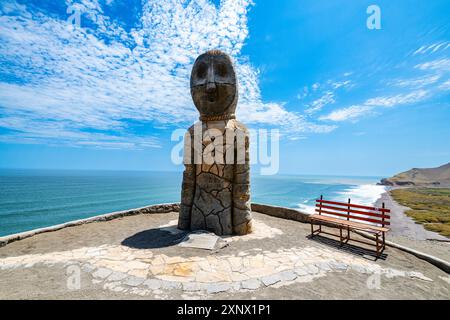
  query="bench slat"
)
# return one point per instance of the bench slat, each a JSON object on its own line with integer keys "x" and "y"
{"x": 352, "y": 224}
{"x": 353, "y": 217}
{"x": 368, "y": 213}
{"x": 353, "y": 205}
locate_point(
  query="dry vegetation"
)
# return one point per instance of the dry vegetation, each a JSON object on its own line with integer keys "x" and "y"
{"x": 429, "y": 206}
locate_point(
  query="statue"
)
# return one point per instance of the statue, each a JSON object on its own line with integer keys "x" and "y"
{"x": 215, "y": 192}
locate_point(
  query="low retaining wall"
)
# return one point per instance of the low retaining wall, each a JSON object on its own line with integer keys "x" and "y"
{"x": 274, "y": 211}
{"x": 157, "y": 208}
{"x": 281, "y": 212}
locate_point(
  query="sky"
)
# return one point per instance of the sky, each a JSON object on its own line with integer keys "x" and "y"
{"x": 103, "y": 84}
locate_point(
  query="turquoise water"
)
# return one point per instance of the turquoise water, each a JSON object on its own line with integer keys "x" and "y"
{"x": 31, "y": 199}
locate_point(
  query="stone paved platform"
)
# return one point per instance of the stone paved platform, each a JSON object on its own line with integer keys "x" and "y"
{"x": 140, "y": 257}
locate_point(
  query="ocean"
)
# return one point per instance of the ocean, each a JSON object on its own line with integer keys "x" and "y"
{"x": 31, "y": 199}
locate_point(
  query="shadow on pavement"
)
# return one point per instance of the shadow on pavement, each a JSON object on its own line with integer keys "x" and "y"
{"x": 154, "y": 238}
{"x": 348, "y": 247}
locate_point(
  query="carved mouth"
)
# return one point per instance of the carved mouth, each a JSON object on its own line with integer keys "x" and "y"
{"x": 211, "y": 97}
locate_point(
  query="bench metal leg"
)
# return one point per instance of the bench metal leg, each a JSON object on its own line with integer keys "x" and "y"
{"x": 317, "y": 231}
{"x": 313, "y": 232}
{"x": 380, "y": 237}
{"x": 346, "y": 239}
{"x": 378, "y": 248}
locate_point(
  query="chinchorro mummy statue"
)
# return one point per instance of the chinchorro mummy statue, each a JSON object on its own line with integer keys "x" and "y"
{"x": 215, "y": 193}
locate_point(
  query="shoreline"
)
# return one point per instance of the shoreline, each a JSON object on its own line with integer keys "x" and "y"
{"x": 404, "y": 226}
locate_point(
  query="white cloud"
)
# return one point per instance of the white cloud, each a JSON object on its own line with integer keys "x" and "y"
{"x": 367, "y": 108}
{"x": 303, "y": 93}
{"x": 327, "y": 94}
{"x": 399, "y": 99}
{"x": 348, "y": 113}
{"x": 105, "y": 78}
{"x": 442, "y": 65}
{"x": 445, "y": 86}
{"x": 39, "y": 131}
{"x": 338, "y": 84}
{"x": 432, "y": 48}
{"x": 318, "y": 104}
{"x": 416, "y": 82}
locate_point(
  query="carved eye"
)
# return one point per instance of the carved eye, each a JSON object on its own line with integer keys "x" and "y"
{"x": 201, "y": 70}
{"x": 222, "y": 70}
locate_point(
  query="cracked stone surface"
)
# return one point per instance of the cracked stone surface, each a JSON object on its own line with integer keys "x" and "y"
{"x": 278, "y": 261}
{"x": 216, "y": 196}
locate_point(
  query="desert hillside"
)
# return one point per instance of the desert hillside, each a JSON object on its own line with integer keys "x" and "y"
{"x": 436, "y": 177}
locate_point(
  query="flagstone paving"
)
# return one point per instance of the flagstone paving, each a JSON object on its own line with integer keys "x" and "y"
{"x": 140, "y": 257}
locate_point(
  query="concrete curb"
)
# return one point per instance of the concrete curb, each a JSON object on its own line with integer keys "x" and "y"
{"x": 440, "y": 263}
{"x": 157, "y": 208}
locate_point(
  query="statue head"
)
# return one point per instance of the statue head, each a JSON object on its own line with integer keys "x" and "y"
{"x": 214, "y": 86}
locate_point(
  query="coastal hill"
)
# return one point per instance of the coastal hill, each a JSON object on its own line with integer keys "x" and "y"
{"x": 433, "y": 177}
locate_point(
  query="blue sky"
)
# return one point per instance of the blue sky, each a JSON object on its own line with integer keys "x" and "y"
{"x": 108, "y": 94}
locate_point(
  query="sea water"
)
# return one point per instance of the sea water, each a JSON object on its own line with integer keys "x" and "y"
{"x": 31, "y": 199}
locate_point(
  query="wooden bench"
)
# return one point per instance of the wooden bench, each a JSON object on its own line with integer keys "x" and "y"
{"x": 349, "y": 216}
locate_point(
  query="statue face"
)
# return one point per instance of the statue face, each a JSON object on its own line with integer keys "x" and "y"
{"x": 213, "y": 85}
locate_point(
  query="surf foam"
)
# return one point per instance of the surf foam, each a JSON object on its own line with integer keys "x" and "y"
{"x": 365, "y": 194}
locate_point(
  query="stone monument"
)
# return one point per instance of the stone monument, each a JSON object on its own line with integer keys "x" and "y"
{"x": 215, "y": 192}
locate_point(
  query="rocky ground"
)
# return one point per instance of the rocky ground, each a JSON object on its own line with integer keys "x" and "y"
{"x": 401, "y": 224}
{"x": 138, "y": 257}
{"x": 405, "y": 231}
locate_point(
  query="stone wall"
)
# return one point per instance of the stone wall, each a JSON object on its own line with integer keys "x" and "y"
{"x": 157, "y": 208}
{"x": 280, "y": 212}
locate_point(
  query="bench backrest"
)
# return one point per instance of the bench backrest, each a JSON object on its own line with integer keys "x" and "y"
{"x": 355, "y": 212}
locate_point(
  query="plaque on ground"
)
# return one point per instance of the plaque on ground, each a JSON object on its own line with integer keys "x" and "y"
{"x": 200, "y": 240}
